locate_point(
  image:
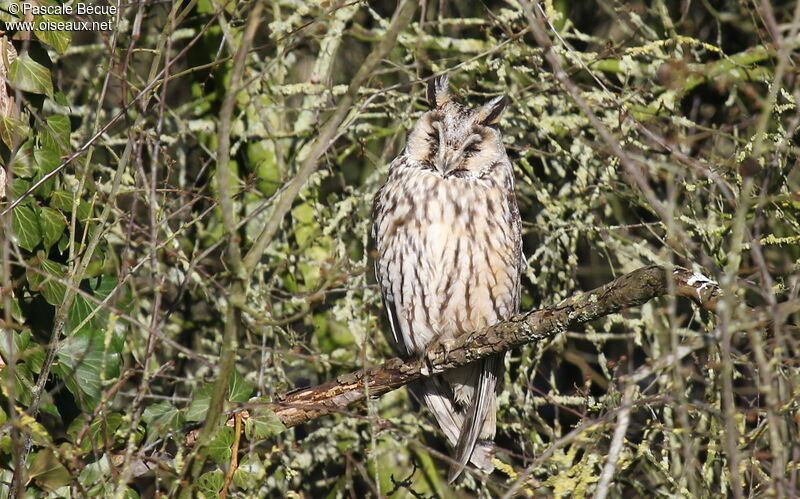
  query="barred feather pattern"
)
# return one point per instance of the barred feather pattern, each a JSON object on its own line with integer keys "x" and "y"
{"x": 449, "y": 258}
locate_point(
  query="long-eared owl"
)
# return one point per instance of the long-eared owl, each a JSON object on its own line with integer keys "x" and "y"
{"x": 448, "y": 237}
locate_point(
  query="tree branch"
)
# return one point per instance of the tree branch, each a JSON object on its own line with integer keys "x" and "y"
{"x": 630, "y": 290}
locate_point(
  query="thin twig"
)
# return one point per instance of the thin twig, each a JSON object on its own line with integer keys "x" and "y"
{"x": 617, "y": 441}
{"x": 237, "y": 435}
{"x": 400, "y": 19}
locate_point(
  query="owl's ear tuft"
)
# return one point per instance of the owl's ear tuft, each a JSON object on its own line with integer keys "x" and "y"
{"x": 438, "y": 91}
{"x": 490, "y": 113}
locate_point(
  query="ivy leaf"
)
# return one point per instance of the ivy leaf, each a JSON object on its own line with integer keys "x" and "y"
{"x": 162, "y": 418}
{"x": 239, "y": 390}
{"x": 25, "y": 225}
{"x": 219, "y": 449}
{"x": 47, "y": 470}
{"x": 18, "y": 188}
{"x": 101, "y": 287}
{"x": 52, "y": 223}
{"x": 24, "y": 164}
{"x": 209, "y": 484}
{"x": 56, "y": 135}
{"x": 262, "y": 423}
{"x": 198, "y": 407}
{"x": 62, "y": 200}
{"x": 30, "y": 76}
{"x": 47, "y": 160}
{"x": 106, "y": 284}
{"x": 83, "y": 359}
{"x": 52, "y": 290}
{"x": 58, "y": 39}
{"x": 12, "y": 130}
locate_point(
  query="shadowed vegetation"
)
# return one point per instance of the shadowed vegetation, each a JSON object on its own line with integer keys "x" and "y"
{"x": 185, "y": 207}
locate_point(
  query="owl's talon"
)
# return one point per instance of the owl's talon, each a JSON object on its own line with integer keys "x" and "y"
{"x": 448, "y": 345}
{"x": 432, "y": 350}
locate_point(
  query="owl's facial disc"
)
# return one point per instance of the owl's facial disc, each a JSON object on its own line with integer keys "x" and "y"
{"x": 451, "y": 160}
{"x": 454, "y": 140}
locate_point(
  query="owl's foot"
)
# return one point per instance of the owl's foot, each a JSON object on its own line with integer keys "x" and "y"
{"x": 433, "y": 349}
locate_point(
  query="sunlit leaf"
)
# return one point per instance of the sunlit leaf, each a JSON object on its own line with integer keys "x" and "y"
{"x": 56, "y": 135}
{"x": 30, "y": 76}
{"x": 209, "y": 484}
{"x": 12, "y": 130}
{"x": 44, "y": 281}
{"x": 219, "y": 449}
{"x": 58, "y": 39}
{"x": 47, "y": 470}
{"x": 162, "y": 418}
{"x": 86, "y": 357}
{"x": 24, "y": 164}
{"x": 52, "y": 223}
{"x": 239, "y": 390}
{"x": 262, "y": 423}
{"x": 25, "y": 224}
{"x": 47, "y": 160}
{"x": 198, "y": 407}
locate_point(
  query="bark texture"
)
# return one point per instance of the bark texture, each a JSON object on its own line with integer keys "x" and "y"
{"x": 633, "y": 289}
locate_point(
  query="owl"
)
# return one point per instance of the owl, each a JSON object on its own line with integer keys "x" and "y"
{"x": 449, "y": 257}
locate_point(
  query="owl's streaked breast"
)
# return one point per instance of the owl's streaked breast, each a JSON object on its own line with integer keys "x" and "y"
{"x": 447, "y": 253}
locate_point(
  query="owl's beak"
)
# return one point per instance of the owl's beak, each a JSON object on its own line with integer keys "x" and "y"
{"x": 446, "y": 162}
{"x": 445, "y": 157}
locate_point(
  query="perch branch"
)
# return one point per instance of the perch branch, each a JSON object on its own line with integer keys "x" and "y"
{"x": 630, "y": 290}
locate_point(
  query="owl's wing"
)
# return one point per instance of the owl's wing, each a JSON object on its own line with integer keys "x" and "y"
{"x": 473, "y": 422}
{"x": 391, "y": 311}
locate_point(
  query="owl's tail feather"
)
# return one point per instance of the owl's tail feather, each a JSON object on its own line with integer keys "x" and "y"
{"x": 438, "y": 398}
{"x": 482, "y": 403}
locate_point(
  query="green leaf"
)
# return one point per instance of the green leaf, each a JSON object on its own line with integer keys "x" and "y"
{"x": 56, "y": 136}
{"x": 23, "y": 383}
{"x": 62, "y": 200}
{"x": 81, "y": 309}
{"x": 219, "y": 449}
{"x": 22, "y": 349}
{"x": 18, "y": 188}
{"x": 52, "y": 290}
{"x": 262, "y": 423}
{"x": 61, "y": 99}
{"x": 100, "y": 428}
{"x": 239, "y": 390}
{"x": 198, "y": 407}
{"x": 48, "y": 471}
{"x": 25, "y": 224}
{"x": 12, "y": 130}
{"x": 58, "y": 39}
{"x": 24, "y": 164}
{"x": 47, "y": 160}
{"x": 30, "y": 76}
{"x": 96, "y": 472}
{"x": 162, "y": 418}
{"x": 83, "y": 359}
{"x": 52, "y": 223}
{"x": 101, "y": 287}
{"x": 209, "y": 484}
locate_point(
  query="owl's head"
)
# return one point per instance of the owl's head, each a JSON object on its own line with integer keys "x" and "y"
{"x": 454, "y": 140}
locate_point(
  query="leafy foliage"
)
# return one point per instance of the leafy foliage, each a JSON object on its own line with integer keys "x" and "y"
{"x": 120, "y": 282}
